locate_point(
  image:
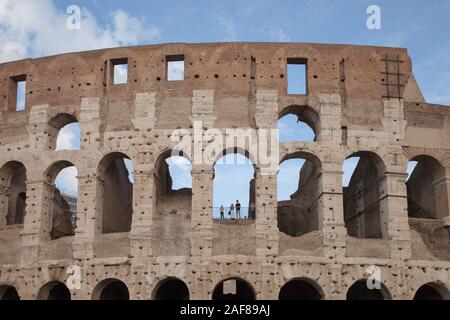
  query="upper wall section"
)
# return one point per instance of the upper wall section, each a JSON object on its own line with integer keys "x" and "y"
{"x": 362, "y": 75}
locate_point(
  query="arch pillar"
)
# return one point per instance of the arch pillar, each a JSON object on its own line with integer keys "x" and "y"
{"x": 394, "y": 214}
{"x": 201, "y": 214}
{"x": 89, "y": 187}
{"x": 37, "y": 221}
{"x": 266, "y": 227}
{"x": 144, "y": 206}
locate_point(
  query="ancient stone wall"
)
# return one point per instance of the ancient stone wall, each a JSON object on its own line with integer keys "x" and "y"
{"x": 360, "y": 100}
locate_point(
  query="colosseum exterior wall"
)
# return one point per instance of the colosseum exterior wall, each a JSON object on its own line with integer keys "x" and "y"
{"x": 365, "y": 99}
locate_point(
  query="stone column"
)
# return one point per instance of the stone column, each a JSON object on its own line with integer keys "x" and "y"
{"x": 88, "y": 222}
{"x": 144, "y": 205}
{"x": 266, "y": 212}
{"x": 37, "y": 222}
{"x": 332, "y": 212}
{"x": 202, "y": 206}
{"x": 394, "y": 215}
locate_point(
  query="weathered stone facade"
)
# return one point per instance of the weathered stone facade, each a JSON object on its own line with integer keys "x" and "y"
{"x": 360, "y": 100}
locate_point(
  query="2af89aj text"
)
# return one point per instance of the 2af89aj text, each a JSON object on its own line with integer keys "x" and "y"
{"x": 228, "y": 309}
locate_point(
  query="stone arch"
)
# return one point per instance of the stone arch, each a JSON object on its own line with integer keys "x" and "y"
{"x": 426, "y": 189}
{"x": 13, "y": 176}
{"x": 172, "y": 203}
{"x": 111, "y": 289}
{"x": 305, "y": 114}
{"x": 8, "y": 292}
{"x": 115, "y": 190}
{"x": 162, "y": 173}
{"x": 56, "y": 125}
{"x": 301, "y": 289}
{"x": 54, "y": 290}
{"x": 59, "y": 220}
{"x": 301, "y": 213}
{"x": 360, "y": 291}
{"x": 432, "y": 291}
{"x": 171, "y": 288}
{"x": 364, "y": 197}
{"x": 248, "y": 208}
{"x": 235, "y": 289}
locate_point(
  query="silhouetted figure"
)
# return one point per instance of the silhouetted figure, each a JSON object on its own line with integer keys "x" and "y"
{"x": 222, "y": 210}
{"x": 238, "y": 210}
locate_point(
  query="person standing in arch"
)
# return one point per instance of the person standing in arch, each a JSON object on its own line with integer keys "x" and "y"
{"x": 232, "y": 211}
{"x": 222, "y": 209}
{"x": 238, "y": 210}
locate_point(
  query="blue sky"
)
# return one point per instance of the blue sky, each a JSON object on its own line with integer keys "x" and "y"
{"x": 31, "y": 28}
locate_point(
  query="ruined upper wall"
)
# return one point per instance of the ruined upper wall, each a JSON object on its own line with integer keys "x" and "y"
{"x": 233, "y": 70}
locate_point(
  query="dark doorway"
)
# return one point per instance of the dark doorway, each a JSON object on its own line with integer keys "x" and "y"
{"x": 172, "y": 289}
{"x": 233, "y": 289}
{"x": 299, "y": 290}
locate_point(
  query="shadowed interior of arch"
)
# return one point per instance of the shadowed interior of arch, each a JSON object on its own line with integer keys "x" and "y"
{"x": 64, "y": 200}
{"x": 8, "y": 292}
{"x": 171, "y": 289}
{"x": 362, "y": 182}
{"x": 300, "y": 289}
{"x": 298, "y": 189}
{"x": 115, "y": 185}
{"x": 13, "y": 177}
{"x": 360, "y": 291}
{"x": 54, "y": 290}
{"x": 111, "y": 289}
{"x": 233, "y": 289}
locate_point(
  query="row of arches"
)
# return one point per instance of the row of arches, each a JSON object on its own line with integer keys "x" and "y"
{"x": 364, "y": 192}
{"x": 228, "y": 289}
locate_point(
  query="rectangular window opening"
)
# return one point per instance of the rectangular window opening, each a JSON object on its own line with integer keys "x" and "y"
{"x": 297, "y": 75}
{"x": 18, "y": 94}
{"x": 120, "y": 71}
{"x": 175, "y": 68}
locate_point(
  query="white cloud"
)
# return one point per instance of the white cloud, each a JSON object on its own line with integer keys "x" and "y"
{"x": 69, "y": 137}
{"x": 66, "y": 181}
{"x": 37, "y": 28}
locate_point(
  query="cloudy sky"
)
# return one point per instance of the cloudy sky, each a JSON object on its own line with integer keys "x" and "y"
{"x": 32, "y": 28}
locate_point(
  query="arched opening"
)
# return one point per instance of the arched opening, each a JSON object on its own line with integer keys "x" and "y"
{"x": 13, "y": 178}
{"x": 8, "y": 293}
{"x": 174, "y": 184}
{"x": 300, "y": 289}
{"x": 426, "y": 195}
{"x": 363, "y": 184}
{"x": 63, "y": 192}
{"x": 64, "y": 132}
{"x": 360, "y": 291}
{"x": 298, "y": 194}
{"x": 233, "y": 289}
{"x": 432, "y": 291}
{"x": 54, "y": 290}
{"x": 171, "y": 289}
{"x": 298, "y": 123}
{"x": 234, "y": 186}
{"x": 115, "y": 187}
{"x": 111, "y": 289}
